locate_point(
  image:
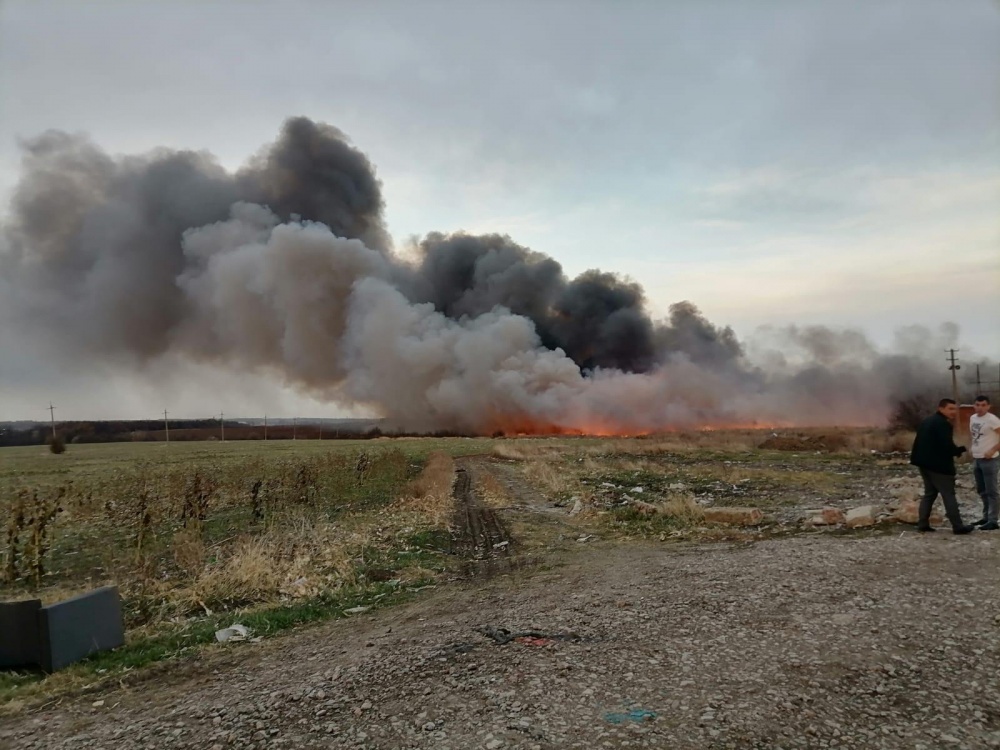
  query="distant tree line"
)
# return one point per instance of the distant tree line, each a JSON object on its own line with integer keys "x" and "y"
{"x": 152, "y": 430}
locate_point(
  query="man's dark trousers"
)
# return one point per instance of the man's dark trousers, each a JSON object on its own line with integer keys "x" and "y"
{"x": 939, "y": 484}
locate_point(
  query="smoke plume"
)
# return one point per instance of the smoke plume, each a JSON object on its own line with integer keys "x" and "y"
{"x": 286, "y": 267}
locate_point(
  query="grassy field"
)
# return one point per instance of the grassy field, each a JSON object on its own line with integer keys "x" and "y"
{"x": 274, "y": 534}
{"x": 196, "y": 535}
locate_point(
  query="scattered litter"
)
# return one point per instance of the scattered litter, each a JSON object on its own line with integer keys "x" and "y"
{"x": 500, "y": 545}
{"x": 635, "y": 714}
{"x": 585, "y": 538}
{"x": 503, "y": 636}
{"x": 356, "y": 610}
{"x": 528, "y": 640}
{"x": 637, "y": 490}
{"x": 235, "y": 632}
{"x": 577, "y": 507}
{"x": 97, "y": 704}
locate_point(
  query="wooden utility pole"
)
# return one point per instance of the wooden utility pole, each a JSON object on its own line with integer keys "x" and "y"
{"x": 265, "y": 427}
{"x": 986, "y": 387}
{"x": 955, "y": 367}
{"x": 293, "y": 428}
{"x": 222, "y": 424}
{"x": 52, "y": 417}
{"x": 166, "y": 425}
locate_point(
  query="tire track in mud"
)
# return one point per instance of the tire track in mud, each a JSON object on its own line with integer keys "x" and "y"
{"x": 480, "y": 535}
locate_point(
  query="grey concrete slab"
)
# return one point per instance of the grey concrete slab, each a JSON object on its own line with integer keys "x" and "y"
{"x": 76, "y": 628}
{"x": 20, "y": 644}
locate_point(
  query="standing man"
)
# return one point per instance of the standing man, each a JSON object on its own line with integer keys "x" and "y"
{"x": 934, "y": 452}
{"x": 984, "y": 428}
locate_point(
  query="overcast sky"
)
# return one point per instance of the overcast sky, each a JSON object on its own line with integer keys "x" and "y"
{"x": 774, "y": 162}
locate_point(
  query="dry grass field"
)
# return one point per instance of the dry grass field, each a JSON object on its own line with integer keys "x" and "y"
{"x": 281, "y": 533}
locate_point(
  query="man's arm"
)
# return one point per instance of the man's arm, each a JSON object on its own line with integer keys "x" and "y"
{"x": 996, "y": 448}
{"x": 945, "y": 439}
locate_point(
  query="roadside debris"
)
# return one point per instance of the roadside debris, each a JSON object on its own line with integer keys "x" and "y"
{"x": 863, "y": 516}
{"x": 233, "y": 633}
{"x": 633, "y": 715}
{"x": 734, "y": 516}
{"x": 503, "y": 636}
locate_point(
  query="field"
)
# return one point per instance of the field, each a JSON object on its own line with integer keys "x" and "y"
{"x": 202, "y": 534}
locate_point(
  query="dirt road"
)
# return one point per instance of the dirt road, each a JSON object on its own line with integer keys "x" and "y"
{"x": 810, "y": 641}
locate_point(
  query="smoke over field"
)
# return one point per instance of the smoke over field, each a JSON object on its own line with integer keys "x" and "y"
{"x": 286, "y": 267}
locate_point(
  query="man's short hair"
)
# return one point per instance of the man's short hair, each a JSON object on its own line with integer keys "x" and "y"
{"x": 984, "y": 399}
{"x": 945, "y": 402}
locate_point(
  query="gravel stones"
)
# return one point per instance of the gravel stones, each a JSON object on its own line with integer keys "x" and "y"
{"x": 797, "y": 642}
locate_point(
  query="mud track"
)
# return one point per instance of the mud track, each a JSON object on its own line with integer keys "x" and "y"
{"x": 479, "y": 535}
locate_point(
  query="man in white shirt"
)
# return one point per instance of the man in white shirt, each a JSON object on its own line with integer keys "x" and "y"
{"x": 984, "y": 428}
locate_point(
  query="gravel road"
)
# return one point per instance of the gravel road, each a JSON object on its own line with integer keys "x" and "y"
{"x": 864, "y": 641}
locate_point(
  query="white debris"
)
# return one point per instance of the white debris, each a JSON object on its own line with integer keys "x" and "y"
{"x": 235, "y": 632}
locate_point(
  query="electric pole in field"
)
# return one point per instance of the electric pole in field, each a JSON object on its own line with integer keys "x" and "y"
{"x": 52, "y": 417}
{"x": 985, "y": 387}
{"x": 222, "y": 424}
{"x": 265, "y": 427}
{"x": 293, "y": 428}
{"x": 955, "y": 367}
{"x": 166, "y": 425}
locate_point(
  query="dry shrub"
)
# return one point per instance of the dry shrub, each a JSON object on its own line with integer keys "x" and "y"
{"x": 189, "y": 549}
{"x": 430, "y": 494}
{"x": 492, "y": 492}
{"x": 506, "y": 450}
{"x": 881, "y": 441}
{"x": 296, "y": 563}
{"x": 679, "y": 442}
{"x": 552, "y": 479}
{"x": 682, "y": 508}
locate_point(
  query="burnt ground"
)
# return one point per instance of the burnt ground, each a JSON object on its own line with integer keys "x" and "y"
{"x": 861, "y": 640}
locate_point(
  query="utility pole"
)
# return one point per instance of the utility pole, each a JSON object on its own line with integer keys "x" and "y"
{"x": 265, "y": 427}
{"x": 986, "y": 387}
{"x": 166, "y": 425}
{"x": 955, "y": 367}
{"x": 293, "y": 428}
{"x": 52, "y": 416}
{"x": 222, "y": 424}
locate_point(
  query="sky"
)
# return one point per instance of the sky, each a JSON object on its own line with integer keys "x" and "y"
{"x": 773, "y": 162}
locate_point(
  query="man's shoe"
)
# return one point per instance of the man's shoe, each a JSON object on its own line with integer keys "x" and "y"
{"x": 991, "y": 526}
{"x": 963, "y": 529}
{"x": 925, "y": 529}
{"x": 981, "y": 521}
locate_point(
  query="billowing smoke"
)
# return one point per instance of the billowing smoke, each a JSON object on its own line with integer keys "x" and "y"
{"x": 286, "y": 267}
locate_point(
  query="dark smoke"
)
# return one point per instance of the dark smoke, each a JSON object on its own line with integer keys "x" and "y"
{"x": 286, "y": 267}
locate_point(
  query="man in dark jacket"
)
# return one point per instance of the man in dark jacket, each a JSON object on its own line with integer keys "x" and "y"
{"x": 934, "y": 452}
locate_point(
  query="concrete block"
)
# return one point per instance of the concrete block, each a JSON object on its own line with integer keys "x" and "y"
{"x": 20, "y": 645}
{"x": 76, "y": 628}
